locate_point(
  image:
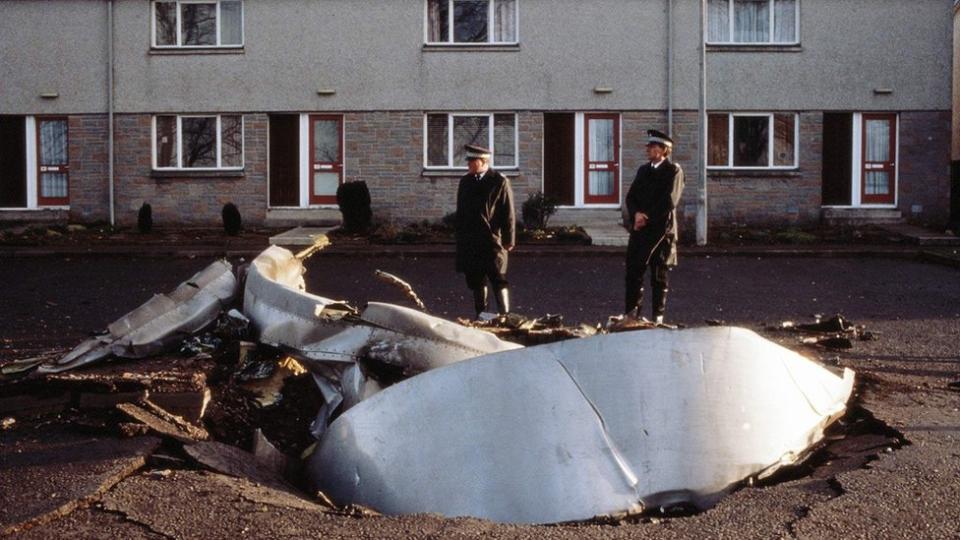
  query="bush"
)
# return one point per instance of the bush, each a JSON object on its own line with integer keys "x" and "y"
{"x": 145, "y": 218}
{"x": 353, "y": 198}
{"x": 537, "y": 209}
{"x": 449, "y": 220}
{"x": 232, "y": 223}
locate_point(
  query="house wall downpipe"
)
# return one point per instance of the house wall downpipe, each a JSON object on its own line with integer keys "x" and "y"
{"x": 702, "y": 136}
{"x": 670, "y": 68}
{"x": 110, "y": 179}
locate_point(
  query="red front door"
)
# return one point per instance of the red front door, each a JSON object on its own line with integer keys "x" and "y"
{"x": 878, "y": 185}
{"x": 53, "y": 164}
{"x": 601, "y": 175}
{"x": 326, "y": 158}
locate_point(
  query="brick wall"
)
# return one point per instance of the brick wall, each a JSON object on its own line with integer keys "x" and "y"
{"x": 191, "y": 198}
{"x": 89, "y": 181}
{"x": 385, "y": 149}
{"x": 924, "y": 178}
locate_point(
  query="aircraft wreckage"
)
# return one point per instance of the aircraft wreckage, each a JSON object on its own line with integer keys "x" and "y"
{"x": 442, "y": 418}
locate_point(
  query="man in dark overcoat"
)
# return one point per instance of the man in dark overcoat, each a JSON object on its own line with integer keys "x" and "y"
{"x": 650, "y": 216}
{"x": 485, "y": 229}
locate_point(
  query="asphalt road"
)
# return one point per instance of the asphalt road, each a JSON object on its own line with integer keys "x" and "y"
{"x": 906, "y": 373}
{"x": 56, "y": 301}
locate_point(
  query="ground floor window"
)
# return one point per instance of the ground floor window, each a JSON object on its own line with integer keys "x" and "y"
{"x": 34, "y": 162}
{"x": 752, "y": 140}
{"x": 445, "y": 135}
{"x": 198, "y": 141}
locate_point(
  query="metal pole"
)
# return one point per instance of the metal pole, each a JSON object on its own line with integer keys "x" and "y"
{"x": 670, "y": 68}
{"x": 110, "y": 178}
{"x": 702, "y": 138}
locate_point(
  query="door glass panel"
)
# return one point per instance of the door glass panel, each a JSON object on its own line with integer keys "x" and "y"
{"x": 325, "y": 184}
{"x": 601, "y": 182}
{"x": 326, "y": 141}
{"x": 53, "y": 142}
{"x": 877, "y": 183}
{"x": 53, "y": 185}
{"x": 878, "y": 140}
{"x": 601, "y": 140}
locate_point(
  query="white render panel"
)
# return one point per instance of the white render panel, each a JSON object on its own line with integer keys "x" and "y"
{"x": 849, "y": 48}
{"x": 53, "y": 46}
{"x": 372, "y": 55}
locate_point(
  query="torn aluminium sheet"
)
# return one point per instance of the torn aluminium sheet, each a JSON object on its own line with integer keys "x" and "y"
{"x": 566, "y": 431}
{"x": 332, "y": 338}
{"x": 162, "y": 322}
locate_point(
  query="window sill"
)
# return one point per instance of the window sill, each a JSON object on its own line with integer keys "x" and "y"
{"x": 179, "y": 51}
{"x": 188, "y": 173}
{"x": 471, "y": 47}
{"x": 754, "y": 173}
{"x": 457, "y": 173}
{"x": 753, "y": 47}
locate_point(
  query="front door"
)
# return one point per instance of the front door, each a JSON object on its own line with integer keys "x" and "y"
{"x": 53, "y": 163}
{"x": 326, "y": 158}
{"x": 879, "y": 158}
{"x": 601, "y": 178}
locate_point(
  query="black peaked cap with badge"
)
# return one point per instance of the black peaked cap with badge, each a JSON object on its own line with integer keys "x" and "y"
{"x": 658, "y": 137}
{"x": 476, "y": 152}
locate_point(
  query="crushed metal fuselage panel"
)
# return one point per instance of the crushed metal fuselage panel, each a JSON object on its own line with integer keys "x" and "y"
{"x": 567, "y": 431}
{"x": 160, "y": 323}
{"x": 332, "y": 338}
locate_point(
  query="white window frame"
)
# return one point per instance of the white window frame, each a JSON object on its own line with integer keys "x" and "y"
{"x": 490, "y": 26}
{"x": 731, "y": 30}
{"x": 179, "y": 45}
{"x": 219, "y": 128}
{"x": 770, "y": 142}
{"x": 490, "y": 143}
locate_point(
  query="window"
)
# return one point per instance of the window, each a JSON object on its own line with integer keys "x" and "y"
{"x": 446, "y": 134}
{"x": 752, "y": 141}
{"x": 198, "y": 142}
{"x": 197, "y": 23}
{"x": 753, "y": 22}
{"x": 471, "y": 22}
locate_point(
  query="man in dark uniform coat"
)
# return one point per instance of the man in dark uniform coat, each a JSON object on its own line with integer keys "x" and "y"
{"x": 650, "y": 216}
{"x": 485, "y": 229}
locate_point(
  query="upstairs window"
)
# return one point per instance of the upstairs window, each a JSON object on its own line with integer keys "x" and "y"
{"x": 752, "y": 141}
{"x": 197, "y": 23}
{"x": 446, "y": 134}
{"x": 471, "y": 22}
{"x": 753, "y": 22}
{"x": 198, "y": 142}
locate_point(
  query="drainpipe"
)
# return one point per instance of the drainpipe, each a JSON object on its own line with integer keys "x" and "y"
{"x": 702, "y": 138}
{"x": 110, "y": 108}
{"x": 670, "y": 68}
{"x": 954, "y": 223}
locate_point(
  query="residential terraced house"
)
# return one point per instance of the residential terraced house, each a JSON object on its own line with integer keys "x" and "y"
{"x": 817, "y": 109}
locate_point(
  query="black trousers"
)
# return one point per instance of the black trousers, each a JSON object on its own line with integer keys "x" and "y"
{"x": 478, "y": 277}
{"x": 646, "y": 250}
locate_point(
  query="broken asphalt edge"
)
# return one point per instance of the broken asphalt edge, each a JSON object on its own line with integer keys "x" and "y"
{"x": 441, "y": 250}
{"x": 131, "y": 467}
